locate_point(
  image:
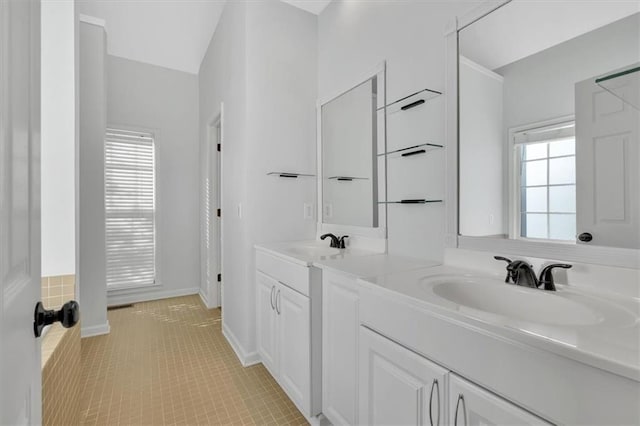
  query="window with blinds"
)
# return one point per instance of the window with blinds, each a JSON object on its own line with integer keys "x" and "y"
{"x": 130, "y": 208}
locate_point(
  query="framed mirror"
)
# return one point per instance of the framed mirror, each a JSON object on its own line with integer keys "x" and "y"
{"x": 351, "y": 135}
{"x": 548, "y": 130}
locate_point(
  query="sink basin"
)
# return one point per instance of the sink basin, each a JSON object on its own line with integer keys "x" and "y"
{"x": 310, "y": 250}
{"x": 529, "y": 305}
{"x": 488, "y": 297}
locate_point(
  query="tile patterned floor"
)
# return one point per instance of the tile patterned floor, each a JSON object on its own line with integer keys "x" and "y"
{"x": 166, "y": 362}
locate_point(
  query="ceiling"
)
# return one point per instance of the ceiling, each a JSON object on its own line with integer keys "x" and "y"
{"x": 313, "y": 6}
{"x": 524, "y": 27}
{"x": 169, "y": 33}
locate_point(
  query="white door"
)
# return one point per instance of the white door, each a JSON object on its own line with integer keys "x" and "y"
{"x": 340, "y": 327}
{"x": 20, "y": 376}
{"x": 266, "y": 325}
{"x": 470, "y": 405}
{"x": 294, "y": 338}
{"x": 398, "y": 386}
{"x": 607, "y": 164}
{"x": 217, "y": 225}
{"x": 210, "y": 244}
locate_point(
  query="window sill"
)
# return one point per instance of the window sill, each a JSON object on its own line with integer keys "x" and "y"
{"x": 133, "y": 288}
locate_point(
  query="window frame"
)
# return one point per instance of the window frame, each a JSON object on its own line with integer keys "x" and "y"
{"x": 123, "y": 290}
{"x": 515, "y": 182}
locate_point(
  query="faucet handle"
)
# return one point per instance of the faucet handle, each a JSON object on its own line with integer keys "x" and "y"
{"x": 341, "y": 241}
{"x": 546, "y": 275}
{"x": 506, "y": 280}
{"x": 335, "y": 242}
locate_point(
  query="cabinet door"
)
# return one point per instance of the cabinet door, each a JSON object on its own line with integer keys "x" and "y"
{"x": 340, "y": 324}
{"x": 266, "y": 325}
{"x": 398, "y": 386}
{"x": 294, "y": 329}
{"x": 471, "y": 405}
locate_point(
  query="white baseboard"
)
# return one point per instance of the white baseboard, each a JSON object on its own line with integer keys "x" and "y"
{"x": 246, "y": 359}
{"x": 203, "y": 297}
{"x": 95, "y": 330}
{"x": 143, "y": 295}
{"x": 205, "y": 300}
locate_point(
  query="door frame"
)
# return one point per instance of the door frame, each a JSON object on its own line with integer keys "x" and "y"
{"x": 212, "y": 296}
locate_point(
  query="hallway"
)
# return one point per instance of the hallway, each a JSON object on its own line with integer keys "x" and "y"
{"x": 167, "y": 362}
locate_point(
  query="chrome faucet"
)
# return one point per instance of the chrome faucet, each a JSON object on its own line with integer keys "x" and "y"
{"x": 521, "y": 273}
{"x": 336, "y": 242}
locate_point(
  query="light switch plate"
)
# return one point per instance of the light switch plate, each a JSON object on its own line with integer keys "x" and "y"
{"x": 308, "y": 211}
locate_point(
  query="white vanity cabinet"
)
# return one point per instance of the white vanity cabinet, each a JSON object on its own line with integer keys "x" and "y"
{"x": 294, "y": 345}
{"x": 266, "y": 317}
{"x": 288, "y": 328}
{"x": 471, "y": 405}
{"x": 340, "y": 327}
{"x": 398, "y": 386}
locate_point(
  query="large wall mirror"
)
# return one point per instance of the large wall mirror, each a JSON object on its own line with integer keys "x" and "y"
{"x": 352, "y": 174}
{"x": 549, "y": 123}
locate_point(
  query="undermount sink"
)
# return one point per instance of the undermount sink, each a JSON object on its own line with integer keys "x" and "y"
{"x": 492, "y": 297}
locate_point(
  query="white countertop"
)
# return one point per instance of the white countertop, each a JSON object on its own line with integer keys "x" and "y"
{"x": 612, "y": 344}
{"x": 356, "y": 263}
{"x": 302, "y": 252}
{"x": 371, "y": 266}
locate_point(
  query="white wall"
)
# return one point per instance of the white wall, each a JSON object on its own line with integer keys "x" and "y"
{"x": 546, "y": 80}
{"x": 222, "y": 78}
{"x": 58, "y": 138}
{"x": 92, "y": 119}
{"x": 281, "y": 128}
{"x": 164, "y": 102}
{"x": 262, "y": 64}
{"x": 354, "y": 37}
{"x": 481, "y": 145}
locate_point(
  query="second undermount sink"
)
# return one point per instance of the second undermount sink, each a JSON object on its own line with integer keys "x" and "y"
{"x": 492, "y": 297}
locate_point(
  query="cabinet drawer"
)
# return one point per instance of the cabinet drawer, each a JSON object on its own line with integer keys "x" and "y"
{"x": 287, "y": 273}
{"x": 420, "y": 124}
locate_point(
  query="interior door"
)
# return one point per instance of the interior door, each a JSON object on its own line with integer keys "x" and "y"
{"x": 607, "y": 163}
{"x": 217, "y": 225}
{"x": 20, "y": 371}
{"x": 210, "y": 243}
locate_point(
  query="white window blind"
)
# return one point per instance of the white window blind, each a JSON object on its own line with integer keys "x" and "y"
{"x": 130, "y": 208}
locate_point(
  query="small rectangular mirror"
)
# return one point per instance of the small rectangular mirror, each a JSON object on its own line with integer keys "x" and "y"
{"x": 352, "y": 173}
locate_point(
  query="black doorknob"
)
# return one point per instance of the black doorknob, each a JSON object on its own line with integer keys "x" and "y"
{"x": 585, "y": 237}
{"x": 68, "y": 316}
